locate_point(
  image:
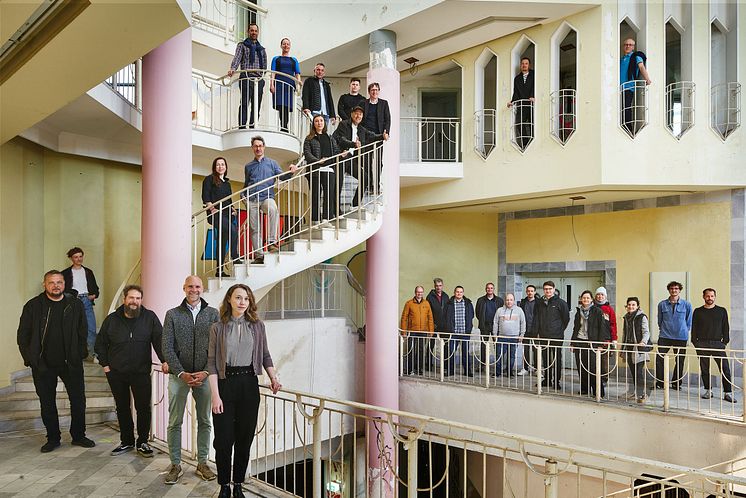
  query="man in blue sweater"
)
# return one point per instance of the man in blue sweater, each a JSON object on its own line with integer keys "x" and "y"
{"x": 674, "y": 325}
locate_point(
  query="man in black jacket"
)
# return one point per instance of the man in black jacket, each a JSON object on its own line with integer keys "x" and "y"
{"x": 350, "y": 134}
{"x": 438, "y": 300}
{"x": 124, "y": 351}
{"x": 52, "y": 341}
{"x": 551, "y": 316}
{"x": 349, "y": 101}
{"x": 317, "y": 95}
{"x": 81, "y": 282}
{"x": 523, "y": 93}
{"x": 486, "y": 308}
{"x": 710, "y": 335}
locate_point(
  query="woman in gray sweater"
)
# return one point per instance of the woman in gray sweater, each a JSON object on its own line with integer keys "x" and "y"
{"x": 236, "y": 354}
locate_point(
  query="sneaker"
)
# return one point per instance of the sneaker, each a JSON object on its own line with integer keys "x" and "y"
{"x": 522, "y": 372}
{"x": 642, "y": 399}
{"x": 259, "y": 260}
{"x": 707, "y": 394}
{"x": 205, "y": 472}
{"x": 144, "y": 450}
{"x": 83, "y": 442}
{"x": 122, "y": 448}
{"x": 173, "y": 474}
{"x": 50, "y": 446}
{"x": 729, "y": 398}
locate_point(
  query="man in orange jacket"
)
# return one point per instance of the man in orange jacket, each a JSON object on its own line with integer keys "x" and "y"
{"x": 417, "y": 324}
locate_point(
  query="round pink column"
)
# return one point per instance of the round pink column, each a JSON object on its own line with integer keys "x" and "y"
{"x": 166, "y": 171}
{"x": 382, "y": 272}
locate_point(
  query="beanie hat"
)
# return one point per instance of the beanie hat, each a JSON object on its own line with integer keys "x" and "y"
{"x": 601, "y": 290}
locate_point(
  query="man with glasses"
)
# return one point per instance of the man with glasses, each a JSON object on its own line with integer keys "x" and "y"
{"x": 551, "y": 316}
{"x": 631, "y": 66}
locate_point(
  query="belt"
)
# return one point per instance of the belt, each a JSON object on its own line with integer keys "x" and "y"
{"x": 233, "y": 371}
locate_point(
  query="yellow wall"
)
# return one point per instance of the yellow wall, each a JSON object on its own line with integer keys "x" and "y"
{"x": 459, "y": 248}
{"x": 50, "y": 202}
{"x": 693, "y": 238}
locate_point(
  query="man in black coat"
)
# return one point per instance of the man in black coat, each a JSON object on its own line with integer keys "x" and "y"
{"x": 438, "y": 300}
{"x": 377, "y": 119}
{"x": 52, "y": 341}
{"x": 551, "y": 316}
{"x": 315, "y": 101}
{"x": 485, "y": 310}
{"x": 523, "y": 93}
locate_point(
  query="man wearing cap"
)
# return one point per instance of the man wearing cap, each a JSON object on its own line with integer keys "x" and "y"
{"x": 610, "y": 317}
{"x": 350, "y": 134}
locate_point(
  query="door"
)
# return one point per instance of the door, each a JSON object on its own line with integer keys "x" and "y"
{"x": 438, "y": 130}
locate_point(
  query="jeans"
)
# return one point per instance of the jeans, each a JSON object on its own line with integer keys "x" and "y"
{"x": 506, "y": 349}
{"x": 714, "y": 350}
{"x": 248, "y": 86}
{"x": 640, "y": 382}
{"x": 678, "y": 373}
{"x": 121, "y": 384}
{"x": 177, "y": 398}
{"x": 45, "y": 382}
{"x": 269, "y": 207}
{"x": 90, "y": 318}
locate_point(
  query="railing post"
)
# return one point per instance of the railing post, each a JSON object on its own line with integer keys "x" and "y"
{"x": 487, "y": 363}
{"x": 412, "y": 469}
{"x": 442, "y": 359}
{"x": 538, "y": 370}
{"x": 458, "y": 141}
{"x": 282, "y": 299}
{"x": 401, "y": 355}
{"x": 666, "y": 384}
{"x": 323, "y": 292}
{"x": 551, "y": 481}
{"x": 598, "y": 375}
{"x": 743, "y": 384}
{"x": 316, "y": 422}
{"x": 419, "y": 141}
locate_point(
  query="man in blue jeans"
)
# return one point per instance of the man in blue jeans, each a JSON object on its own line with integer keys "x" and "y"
{"x": 509, "y": 327}
{"x": 459, "y": 322}
{"x": 81, "y": 282}
{"x": 674, "y": 325}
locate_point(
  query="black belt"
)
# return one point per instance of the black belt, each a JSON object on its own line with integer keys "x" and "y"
{"x": 232, "y": 371}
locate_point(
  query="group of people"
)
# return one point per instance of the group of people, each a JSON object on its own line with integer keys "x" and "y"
{"x": 214, "y": 354}
{"x": 544, "y": 319}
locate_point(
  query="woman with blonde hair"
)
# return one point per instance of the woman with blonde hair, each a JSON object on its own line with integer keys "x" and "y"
{"x": 236, "y": 354}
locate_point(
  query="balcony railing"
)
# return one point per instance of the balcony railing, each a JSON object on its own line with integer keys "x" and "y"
{"x": 227, "y": 18}
{"x": 633, "y": 107}
{"x": 221, "y": 104}
{"x": 564, "y": 114}
{"x": 599, "y": 374}
{"x": 725, "y": 108}
{"x": 485, "y": 132}
{"x": 430, "y": 140}
{"x": 522, "y": 120}
{"x": 680, "y": 107}
{"x": 126, "y": 82}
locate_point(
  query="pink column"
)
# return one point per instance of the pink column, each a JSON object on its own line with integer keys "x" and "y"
{"x": 166, "y": 171}
{"x": 382, "y": 273}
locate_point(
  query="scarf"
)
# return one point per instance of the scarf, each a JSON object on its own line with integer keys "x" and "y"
{"x": 254, "y": 48}
{"x": 586, "y": 311}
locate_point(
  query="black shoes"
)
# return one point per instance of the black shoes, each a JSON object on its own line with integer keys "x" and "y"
{"x": 259, "y": 260}
{"x": 121, "y": 449}
{"x": 238, "y": 491}
{"x": 238, "y": 262}
{"x": 83, "y": 442}
{"x": 221, "y": 274}
{"x": 50, "y": 446}
{"x": 225, "y": 491}
{"x": 144, "y": 450}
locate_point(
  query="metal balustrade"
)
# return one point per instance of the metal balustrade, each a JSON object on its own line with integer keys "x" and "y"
{"x": 430, "y": 140}
{"x": 725, "y": 108}
{"x": 227, "y": 18}
{"x": 680, "y": 107}
{"x": 294, "y": 199}
{"x": 574, "y": 369}
{"x": 564, "y": 114}
{"x": 633, "y": 107}
{"x": 522, "y": 123}
{"x": 222, "y": 104}
{"x": 126, "y": 82}
{"x": 485, "y": 132}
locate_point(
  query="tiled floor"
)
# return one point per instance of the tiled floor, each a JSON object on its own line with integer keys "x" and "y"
{"x": 77, "y": 472}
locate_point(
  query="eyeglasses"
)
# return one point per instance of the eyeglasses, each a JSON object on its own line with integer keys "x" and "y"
{"x": 629, "y": 44}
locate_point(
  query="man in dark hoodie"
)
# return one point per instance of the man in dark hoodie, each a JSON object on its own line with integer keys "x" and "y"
{"x": 459, "y": 322}
{"x": 124, "y": 351}
{"x": 251, "y": 59}
{"x": 186, "y": 335}
{"x": 52, "y": 340}
{"x": 551, "y": 316}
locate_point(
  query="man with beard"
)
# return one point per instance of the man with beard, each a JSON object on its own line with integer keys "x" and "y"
{"x": 52, "y": 340}
{"x": 124, "y": 351}
{"x": 251, "y": 59}
{"x": 710, "y": 335}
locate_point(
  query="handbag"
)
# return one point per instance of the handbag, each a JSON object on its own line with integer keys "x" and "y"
{"x": 210, "y": 253}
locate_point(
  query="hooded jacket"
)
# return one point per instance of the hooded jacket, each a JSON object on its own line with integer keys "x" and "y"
{"x": 32, "y": 327}
{"x": 124, "y": 344}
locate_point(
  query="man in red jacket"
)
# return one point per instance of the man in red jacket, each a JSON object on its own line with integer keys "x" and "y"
{"x": 609, "y": 315}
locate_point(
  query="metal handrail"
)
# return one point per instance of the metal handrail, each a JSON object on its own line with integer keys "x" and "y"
{"x": 522, "y": 123}
{"x": 129, "y": 279}
{"x": 430, "y": 139}
{"x": 564, "y": 115}
{"x": 221, "y": 17}
{"x": 680, "y": 101}
{"x": 633, "y": 107}
{"x": 725, "y": 108}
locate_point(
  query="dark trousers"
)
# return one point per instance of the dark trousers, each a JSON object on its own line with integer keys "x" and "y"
{"x": 234, "y": 428}
{"x": 551, "y": 357}
{"x": 284, "y": 113}
{"x": 456, "y": 342}
{"x": 484, "y": 356}
{"x": 45, "y": 382}
{"x": 138, "y": 384}
{"x": 418, "y": 352}
{"x": 247, "y": 86}
{"x": 716, "y": 351}
{"x": 585, "y": 362}
{"x": 678, "y": 373}
{"x": 524, "y": 126}
{"x": 642, "y": 383}
{"x": 629, "y": 111}
{"x": 225, "y": 233}
{"x": 323, "y": 195}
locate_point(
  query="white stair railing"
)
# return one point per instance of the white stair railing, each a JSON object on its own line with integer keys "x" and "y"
{"x": 522, "y": 123}
{"x": 227, "y": 18}
{"x": 725, "y": 108}
{"x": 300, "y": 199}
{"x": 430, "y": 139}
{"x": 633, "y": 107}
{"x": 485, "y": 132}
{"x": 126, "y": 82}
{"x": 563, "y": 117}
{"x": 680, "y": 107}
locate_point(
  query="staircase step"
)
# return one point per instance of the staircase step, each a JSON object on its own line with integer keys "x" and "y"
{"x": 92, "y": 384}
{"x": 21, "y": 420}
{"x": 28, "y": 400}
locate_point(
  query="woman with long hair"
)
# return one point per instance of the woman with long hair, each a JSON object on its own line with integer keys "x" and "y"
{"x": 237, "y": 352}
{"x": 215, "y": 187}
{"x": 590, "y": 331}
{"x": 319, "y": 145}
{"x": 281, "y": 86}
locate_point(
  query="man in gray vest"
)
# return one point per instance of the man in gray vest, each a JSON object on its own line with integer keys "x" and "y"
{"x": 186, "y": 334}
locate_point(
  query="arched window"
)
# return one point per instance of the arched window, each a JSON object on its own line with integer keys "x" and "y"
{"x": 485, "y": 104}
{"x": 679, "y": 87}
{"x": 563, "y": 97}
{"x": 633, "y": 91}
{"x": 725, "y": 92}
{"x": 522, "y": 105}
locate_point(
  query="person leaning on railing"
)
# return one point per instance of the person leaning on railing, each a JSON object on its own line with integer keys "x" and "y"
{"x": 216, "y": 187}
{"x": 281, "y": 86}
{"x": 636, "y": 346}
{"x": 317, "y": 147}
{"x": 590, "y": 332}
{"x": 631, "y": 67}
{"x": 236, "y": 353}
{"x": 523, "y": 93}
{"x": 417, "y": 323}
